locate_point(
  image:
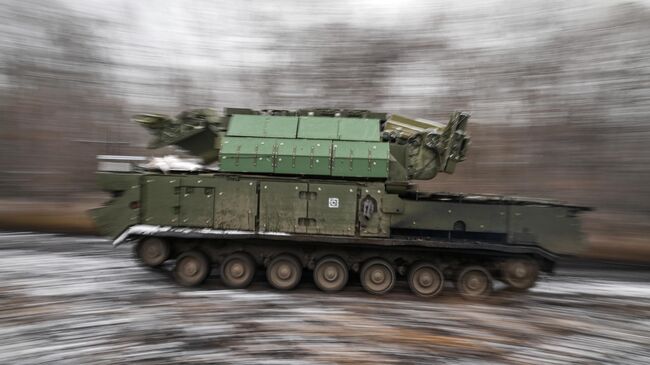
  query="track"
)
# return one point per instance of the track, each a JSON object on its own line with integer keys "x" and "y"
{"x": 77, "y": 300}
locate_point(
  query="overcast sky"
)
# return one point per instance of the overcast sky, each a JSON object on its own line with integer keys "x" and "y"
{"x": 270, "y": 54}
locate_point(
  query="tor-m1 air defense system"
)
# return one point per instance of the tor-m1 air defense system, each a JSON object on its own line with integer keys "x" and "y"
{"x": 329, "y": 191}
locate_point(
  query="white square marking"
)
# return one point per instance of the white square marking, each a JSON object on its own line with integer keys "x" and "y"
{"x": 333, "y": 202}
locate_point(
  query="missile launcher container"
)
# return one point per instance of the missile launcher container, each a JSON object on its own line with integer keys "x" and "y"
{"x": 328, "y": 192}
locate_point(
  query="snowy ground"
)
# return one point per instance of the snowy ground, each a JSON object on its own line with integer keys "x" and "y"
{"x": 77, "y": 300}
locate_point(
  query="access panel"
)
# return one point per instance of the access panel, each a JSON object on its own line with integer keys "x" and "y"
{"x": 360, "y": 159}
{"x": 332, "y": 209}
{"x": 336, "y": 128}
{"x": 302, "y": 156}
{"x": 283, "y": 206}
{"x": 235, "y": 205}
{"x": 247, "y": 154}
{"x": 197, "y": 201}
{"x": 263, "y": 126}
{"x": 373, "y": 222}
{"x": 160, "y": 202}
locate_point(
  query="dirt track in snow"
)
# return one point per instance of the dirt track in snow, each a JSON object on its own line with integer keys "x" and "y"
{"x": 70, "y": 299}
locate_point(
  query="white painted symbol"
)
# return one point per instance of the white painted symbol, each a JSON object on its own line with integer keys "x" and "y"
{"x": 333, "y": 202}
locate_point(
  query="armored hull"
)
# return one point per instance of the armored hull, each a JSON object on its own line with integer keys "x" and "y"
{"x": 289, "y": 195}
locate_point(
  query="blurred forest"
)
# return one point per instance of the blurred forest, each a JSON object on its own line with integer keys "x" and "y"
{"x": 559, "y": 91}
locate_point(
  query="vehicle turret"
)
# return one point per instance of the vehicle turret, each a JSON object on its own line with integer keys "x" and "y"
{"x": 316, "y": 142}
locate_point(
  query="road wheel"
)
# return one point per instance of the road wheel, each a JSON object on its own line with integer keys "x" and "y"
{"x": 519, "y": 274}
{"x": 152, "y": 251}
{"x": 425, "y": 280}
{"x": 474, "y": 282}
{"x": 238, "y": 270}
{"x": 377, "y": 276}
{"x": 331, "y": 274}
{"x": 284, "y": 272}
{"x": 191, "y": 268}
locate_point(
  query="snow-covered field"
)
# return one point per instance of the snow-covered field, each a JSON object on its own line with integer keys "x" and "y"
{"x": 70, "y": 300}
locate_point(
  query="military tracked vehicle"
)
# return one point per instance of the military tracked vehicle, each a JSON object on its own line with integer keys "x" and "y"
{"x": 329, "y": 191}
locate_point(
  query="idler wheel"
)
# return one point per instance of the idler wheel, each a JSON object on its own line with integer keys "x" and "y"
{"x": 519, "y": 274}
{"x": 238, "y": 270}
{"x": 284, "y": 272}
{"x": 377, "y": 276}
{"x": 192, "y": 268}
{"x": 152, "y": 251}
{"x": 425, "y": 280}
{"x": 474, "y": 282}
{"x": 331, "y": 274}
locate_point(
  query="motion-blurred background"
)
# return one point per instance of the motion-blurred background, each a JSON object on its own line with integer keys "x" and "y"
{"x": 559, "y": 91}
